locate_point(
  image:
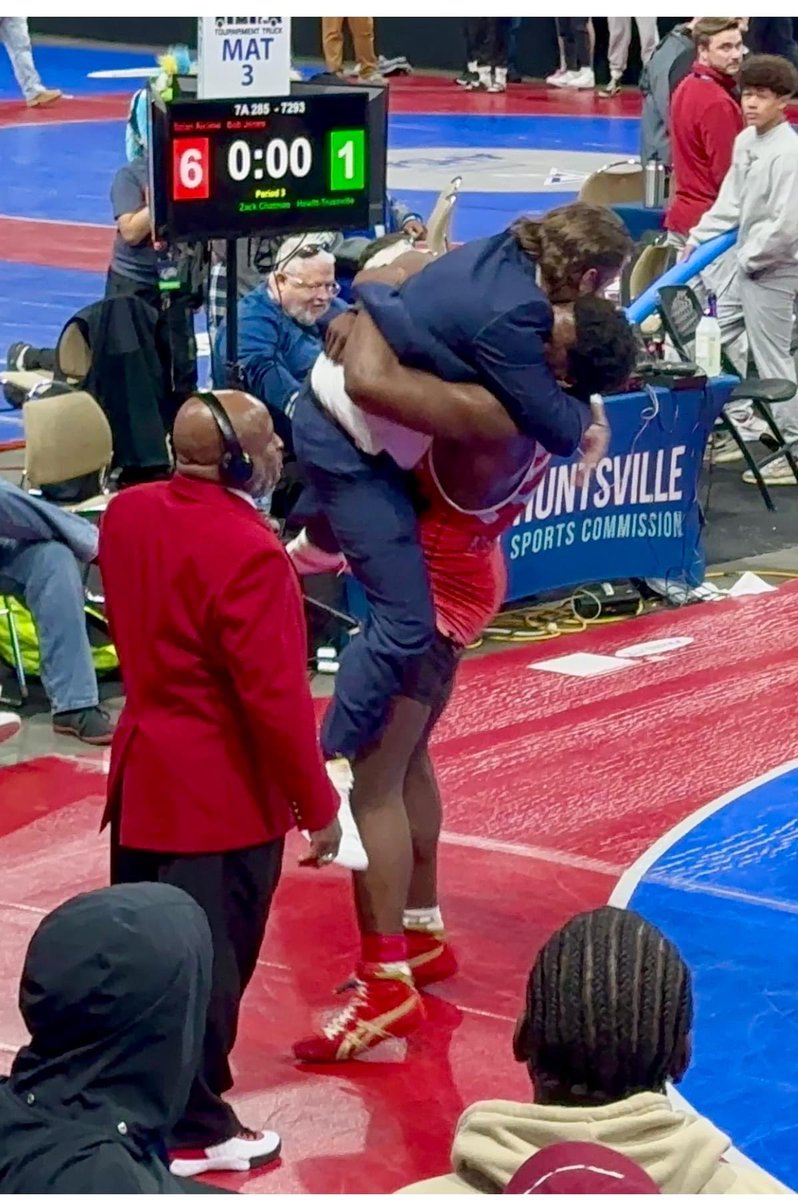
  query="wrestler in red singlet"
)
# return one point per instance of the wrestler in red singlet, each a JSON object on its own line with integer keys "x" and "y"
{"x": 464, "y": 556}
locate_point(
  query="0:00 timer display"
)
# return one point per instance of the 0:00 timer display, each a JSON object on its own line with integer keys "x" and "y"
{"x": 279, "y": 159}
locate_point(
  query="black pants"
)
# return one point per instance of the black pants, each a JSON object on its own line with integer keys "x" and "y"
{"x": 576, "y": 41}
{"x": 177, "y": 345}
{"x": 487, "y": 40}
{"x": 235, "y": 891}
{"x": 773, "y": 35}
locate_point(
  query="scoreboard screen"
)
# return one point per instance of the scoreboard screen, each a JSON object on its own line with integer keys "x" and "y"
{"x": 235, "y": 168}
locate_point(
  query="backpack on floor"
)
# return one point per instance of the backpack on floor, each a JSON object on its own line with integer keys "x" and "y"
{"x": 103, "y": 654}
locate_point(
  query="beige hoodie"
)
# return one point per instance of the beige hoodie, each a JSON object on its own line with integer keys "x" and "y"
{"x": 682, "y": 1153}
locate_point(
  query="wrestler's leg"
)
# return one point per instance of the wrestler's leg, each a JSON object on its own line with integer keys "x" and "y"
{"x": 422, "y": 802}
{"x": 430, "y": 957}
{"x": 378, "y": 805}
{"x": 386, "y": 1003}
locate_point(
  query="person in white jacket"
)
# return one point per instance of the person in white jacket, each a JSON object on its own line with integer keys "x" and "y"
{"x": 759, "y": 197}
{"x": 606, "y": 1027}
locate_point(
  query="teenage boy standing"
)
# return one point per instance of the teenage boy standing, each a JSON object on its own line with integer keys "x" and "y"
{"x": 758, "y": 197}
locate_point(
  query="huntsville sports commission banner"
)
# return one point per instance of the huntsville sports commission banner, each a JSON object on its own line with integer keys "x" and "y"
{"x": 637, "y": 516}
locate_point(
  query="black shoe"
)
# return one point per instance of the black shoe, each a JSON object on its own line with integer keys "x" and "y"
{"x": 15, "y": 356}
{"x": 467, "y": 79}
{"x": 514, "y": 75}
{"x": 90, "y": 725}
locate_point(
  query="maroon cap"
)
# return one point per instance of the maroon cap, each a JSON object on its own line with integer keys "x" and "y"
{"x": 580, "y": 1167}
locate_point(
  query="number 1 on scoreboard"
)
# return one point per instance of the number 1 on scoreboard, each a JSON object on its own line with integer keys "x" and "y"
{"x": 347, "y": 160}
{"x": 191, "y": 175}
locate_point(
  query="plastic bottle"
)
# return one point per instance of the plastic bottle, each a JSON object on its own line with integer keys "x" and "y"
{"x": 708, "y": 340}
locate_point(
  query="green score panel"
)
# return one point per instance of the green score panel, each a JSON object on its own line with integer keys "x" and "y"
{"x": 346, "y": 158}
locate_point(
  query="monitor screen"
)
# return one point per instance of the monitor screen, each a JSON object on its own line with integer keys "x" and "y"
{"x": 276, "y": 165}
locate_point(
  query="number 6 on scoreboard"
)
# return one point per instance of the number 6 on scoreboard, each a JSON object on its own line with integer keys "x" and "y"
{"x": 191, "y": 176}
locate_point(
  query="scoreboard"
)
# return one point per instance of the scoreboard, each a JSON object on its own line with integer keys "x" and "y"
{"x": 235, "y": 168}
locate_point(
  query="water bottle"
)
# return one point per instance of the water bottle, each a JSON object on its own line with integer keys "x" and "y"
{"x": 708, "y": 341}
{"x": 655, "y": 179}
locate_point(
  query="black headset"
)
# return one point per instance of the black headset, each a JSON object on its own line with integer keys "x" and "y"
{"x": 235, "y": 466}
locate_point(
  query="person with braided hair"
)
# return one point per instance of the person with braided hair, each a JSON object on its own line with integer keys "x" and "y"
{"x": 606, "y": 1027}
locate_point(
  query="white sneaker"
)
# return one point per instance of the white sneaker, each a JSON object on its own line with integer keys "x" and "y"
{"x": 10, "y": 725}
{"x": 556, "y": 77}
{"x": 351, "y": 852}
{"x": 236, "y": 1154}
{"x": 499, "y": 81}
{"x": 722, "y": 448}
{"x": 749, "y": 426}
{"x": 585, "y": 78}
{"x": 310, "y": 560}
{"x": 777, "y": 474}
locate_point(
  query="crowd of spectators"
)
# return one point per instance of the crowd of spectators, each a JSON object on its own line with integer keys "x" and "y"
{"x": 604, "y": 1031}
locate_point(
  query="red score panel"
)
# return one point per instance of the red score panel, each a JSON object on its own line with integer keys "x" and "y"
{"x": 191, "y": 169}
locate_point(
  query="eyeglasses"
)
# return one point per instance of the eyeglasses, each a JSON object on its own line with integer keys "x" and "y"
{"x": 332, "y": 289}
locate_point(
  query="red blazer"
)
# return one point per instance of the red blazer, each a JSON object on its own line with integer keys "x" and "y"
{"x": 216, "y": 747}
{"x": 704, "y": 119}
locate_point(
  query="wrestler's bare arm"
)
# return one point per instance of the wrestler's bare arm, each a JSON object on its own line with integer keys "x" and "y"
{"x": 378, "y": 383}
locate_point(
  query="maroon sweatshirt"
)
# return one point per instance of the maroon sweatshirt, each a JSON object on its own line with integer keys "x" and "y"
{"x": 705, "y": 118}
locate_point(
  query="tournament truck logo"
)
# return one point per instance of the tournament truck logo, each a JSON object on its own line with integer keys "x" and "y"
{"x": 231, "y": 26}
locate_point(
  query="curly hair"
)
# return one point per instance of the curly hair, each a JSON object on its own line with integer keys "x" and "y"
{"x": 605, "y": 351}
{"x": 609, "y": 1009}
{"x": 571, "y": 240}
{"x": 770, "y": 72}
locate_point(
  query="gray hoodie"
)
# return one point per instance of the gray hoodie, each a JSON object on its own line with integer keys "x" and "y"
{"x": 760, "y": 197}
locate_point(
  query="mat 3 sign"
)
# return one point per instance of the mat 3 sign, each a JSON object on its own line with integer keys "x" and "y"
{"x": 244, "y": 56}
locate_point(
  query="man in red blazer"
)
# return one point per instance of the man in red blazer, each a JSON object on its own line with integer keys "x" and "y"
{"x": 215, "y": 755}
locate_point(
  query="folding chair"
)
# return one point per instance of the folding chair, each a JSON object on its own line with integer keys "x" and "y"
{"x": 615, "y": 183}
{"x": 67, "y": 435}
{"x": 681, "y": 312}
{"x": 16, "y": 654}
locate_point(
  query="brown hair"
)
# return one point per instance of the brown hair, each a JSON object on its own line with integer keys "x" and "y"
{"x": 708, "y": 27}
{"x": 571, "y": 240}
{"x": 770, "y": 72}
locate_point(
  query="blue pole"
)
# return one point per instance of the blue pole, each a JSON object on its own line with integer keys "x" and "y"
{"x": 645, "y": 304}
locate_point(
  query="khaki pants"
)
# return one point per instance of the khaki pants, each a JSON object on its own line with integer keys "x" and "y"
{"x": 332, "y": 38}
{"x": 620, "y": 39}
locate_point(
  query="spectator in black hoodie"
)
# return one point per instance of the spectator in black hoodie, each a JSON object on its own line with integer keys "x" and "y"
{"x": 114, "y": 994}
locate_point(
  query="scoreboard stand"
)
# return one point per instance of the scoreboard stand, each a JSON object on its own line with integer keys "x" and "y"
{"x": 228, "y": 169}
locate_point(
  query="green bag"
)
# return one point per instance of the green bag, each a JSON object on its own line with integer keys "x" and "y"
{"x": 103, "y": 652}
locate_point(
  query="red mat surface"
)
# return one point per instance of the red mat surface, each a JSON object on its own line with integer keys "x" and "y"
{"x": 553, "y": 786}
{"x": 65, "y": 243}
{"x": 112, "y": 107}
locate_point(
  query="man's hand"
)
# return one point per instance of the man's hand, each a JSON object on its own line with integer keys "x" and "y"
{"x": 595, "y": 441}
{"x": 686, "y": 252}
{"x": 338, "y": 332}
{"x": 415, "y": 229}
{"x": 324, "y": 845}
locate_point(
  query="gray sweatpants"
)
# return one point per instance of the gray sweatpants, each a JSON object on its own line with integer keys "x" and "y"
{"x": 719, "y": 278}
{"x": 763, "y": 309}
{"x": 14, "y": 35}
{"x": 621, "y": 37}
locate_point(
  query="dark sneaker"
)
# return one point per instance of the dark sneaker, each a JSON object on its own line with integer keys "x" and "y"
{"x": 466, "y": 79}
{"x": 15, "y": 356}
{"x": 90, "y": 725}
{"x": 610, "y": 90}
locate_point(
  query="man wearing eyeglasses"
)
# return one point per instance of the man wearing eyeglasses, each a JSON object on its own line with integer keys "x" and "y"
{"x": 278, "y": 332}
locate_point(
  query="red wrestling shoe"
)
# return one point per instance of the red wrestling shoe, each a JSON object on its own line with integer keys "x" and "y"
{"x": 386, "y": 1005}
{"x": 429, "y": 956}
